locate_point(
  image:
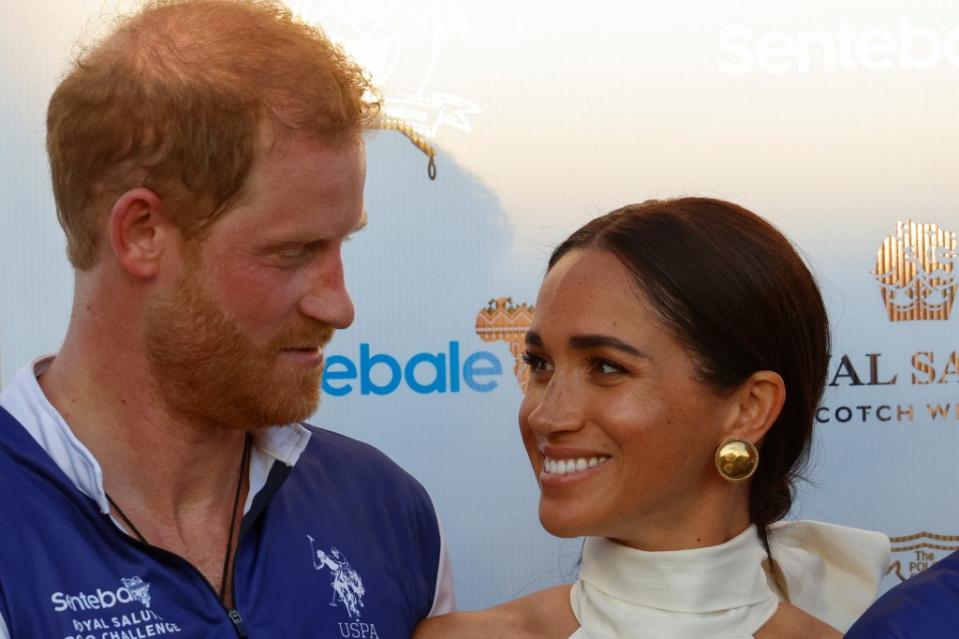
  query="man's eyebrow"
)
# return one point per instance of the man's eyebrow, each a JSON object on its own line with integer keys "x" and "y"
{"x": 592, "y": 341}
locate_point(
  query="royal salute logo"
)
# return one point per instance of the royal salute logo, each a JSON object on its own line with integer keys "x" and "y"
{"x": 504, "y": 321}
{"x": 911, "y": 554}
{"x": 916, "y": 269}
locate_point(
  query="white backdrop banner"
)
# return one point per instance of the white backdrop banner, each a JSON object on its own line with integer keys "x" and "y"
{"x": 832, "y": 119}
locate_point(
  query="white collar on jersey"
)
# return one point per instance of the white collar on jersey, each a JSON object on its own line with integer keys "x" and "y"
{"x": 24, "y": 399}
{"x": 832, "y": 572}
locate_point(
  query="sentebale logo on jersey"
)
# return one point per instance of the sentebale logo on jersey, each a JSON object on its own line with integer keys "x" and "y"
{"x": 119, "y": 615}
{"x": 133, "y": 589}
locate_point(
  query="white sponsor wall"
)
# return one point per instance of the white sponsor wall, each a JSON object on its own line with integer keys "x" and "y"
{"x": 833, "y": 119}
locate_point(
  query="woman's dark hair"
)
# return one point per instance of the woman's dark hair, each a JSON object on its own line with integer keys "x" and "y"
{"x": 735, "y": 292}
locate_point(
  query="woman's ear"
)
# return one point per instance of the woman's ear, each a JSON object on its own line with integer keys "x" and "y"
{"x": 139, "y": 231}
{"x": 757, "y": 404}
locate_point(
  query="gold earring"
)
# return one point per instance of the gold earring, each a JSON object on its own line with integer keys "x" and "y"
{"x": 736, "y": 459}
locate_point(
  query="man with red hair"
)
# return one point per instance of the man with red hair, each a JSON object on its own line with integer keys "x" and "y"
{"x": 207, "y": 164}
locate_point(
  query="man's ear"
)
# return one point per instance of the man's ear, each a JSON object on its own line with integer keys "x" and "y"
{"x": 140, "y": 232}
{"x": 758, "y": 402}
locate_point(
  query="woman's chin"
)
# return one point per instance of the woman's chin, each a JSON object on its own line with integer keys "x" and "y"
{"x": 560, "y": 525}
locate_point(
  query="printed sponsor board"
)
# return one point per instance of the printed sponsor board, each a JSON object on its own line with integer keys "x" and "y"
{"x": 911, "y": 554}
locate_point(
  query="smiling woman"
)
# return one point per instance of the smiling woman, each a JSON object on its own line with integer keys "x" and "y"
{"x": 677, "y": 354}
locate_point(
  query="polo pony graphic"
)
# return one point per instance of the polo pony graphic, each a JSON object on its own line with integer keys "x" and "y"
{"x": 347, "y": 586}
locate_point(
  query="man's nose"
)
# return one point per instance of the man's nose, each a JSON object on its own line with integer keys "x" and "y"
{"x": 326, "y": 299}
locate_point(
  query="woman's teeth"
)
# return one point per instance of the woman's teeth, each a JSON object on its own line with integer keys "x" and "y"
{"x": 563, "y": 466}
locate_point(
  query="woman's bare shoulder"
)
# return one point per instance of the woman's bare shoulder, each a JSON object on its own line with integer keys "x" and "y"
{"x": 541, "y": 615}
{"x": 789, "y": 622}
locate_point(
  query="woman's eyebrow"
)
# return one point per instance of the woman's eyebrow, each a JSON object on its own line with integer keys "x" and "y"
{"x": 592, "y": 341}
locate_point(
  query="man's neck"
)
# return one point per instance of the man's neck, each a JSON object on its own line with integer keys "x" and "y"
{"x": 145, "y": 449}
{"x": 174, "y": 478}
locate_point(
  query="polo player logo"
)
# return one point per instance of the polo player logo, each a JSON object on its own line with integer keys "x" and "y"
{"x": 347, "y": 586}
{"x": 139, "y": 590}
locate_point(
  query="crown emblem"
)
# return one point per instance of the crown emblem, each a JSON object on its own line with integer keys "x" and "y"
{"x": 503, "y": 321}
{"x": 916, "y": 269}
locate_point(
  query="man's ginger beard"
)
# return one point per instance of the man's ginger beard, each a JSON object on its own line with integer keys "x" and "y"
{"x": 209, "y": 370}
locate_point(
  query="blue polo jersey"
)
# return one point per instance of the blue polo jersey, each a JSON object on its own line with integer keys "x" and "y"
{"x": 342, "y": 544}
{"x": 924, "y": 607}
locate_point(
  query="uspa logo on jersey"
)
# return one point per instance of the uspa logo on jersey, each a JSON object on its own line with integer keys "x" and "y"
{"x": 504, "y": 321}
{"x": 916, "y": 269}
{"x": 347, "y": 585}
{"x": 911, "y": 554}
{"x": 348, "y": 590}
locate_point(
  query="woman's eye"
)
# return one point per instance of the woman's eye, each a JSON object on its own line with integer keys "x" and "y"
{"x": 535, "y": 362}
{"x": 606, "y": 367}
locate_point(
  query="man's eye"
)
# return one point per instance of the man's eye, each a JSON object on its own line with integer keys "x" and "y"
{"x": 294, "y": 254}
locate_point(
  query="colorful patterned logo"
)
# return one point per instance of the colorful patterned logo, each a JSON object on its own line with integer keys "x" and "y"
{"x": 503, "y": 321}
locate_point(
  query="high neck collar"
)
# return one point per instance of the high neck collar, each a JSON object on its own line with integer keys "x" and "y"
{"x": 696, "y": 580}
{"x": 718, "y": 591}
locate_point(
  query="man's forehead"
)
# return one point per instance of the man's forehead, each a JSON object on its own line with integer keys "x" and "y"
{"x": 274, "y": 137}
{"x": 327, "y": 158}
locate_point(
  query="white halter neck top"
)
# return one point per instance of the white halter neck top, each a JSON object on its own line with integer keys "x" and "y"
{"x": 725, "y": 592}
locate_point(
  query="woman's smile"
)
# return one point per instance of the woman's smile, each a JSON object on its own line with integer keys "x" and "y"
{"x": 560, "y": 469}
